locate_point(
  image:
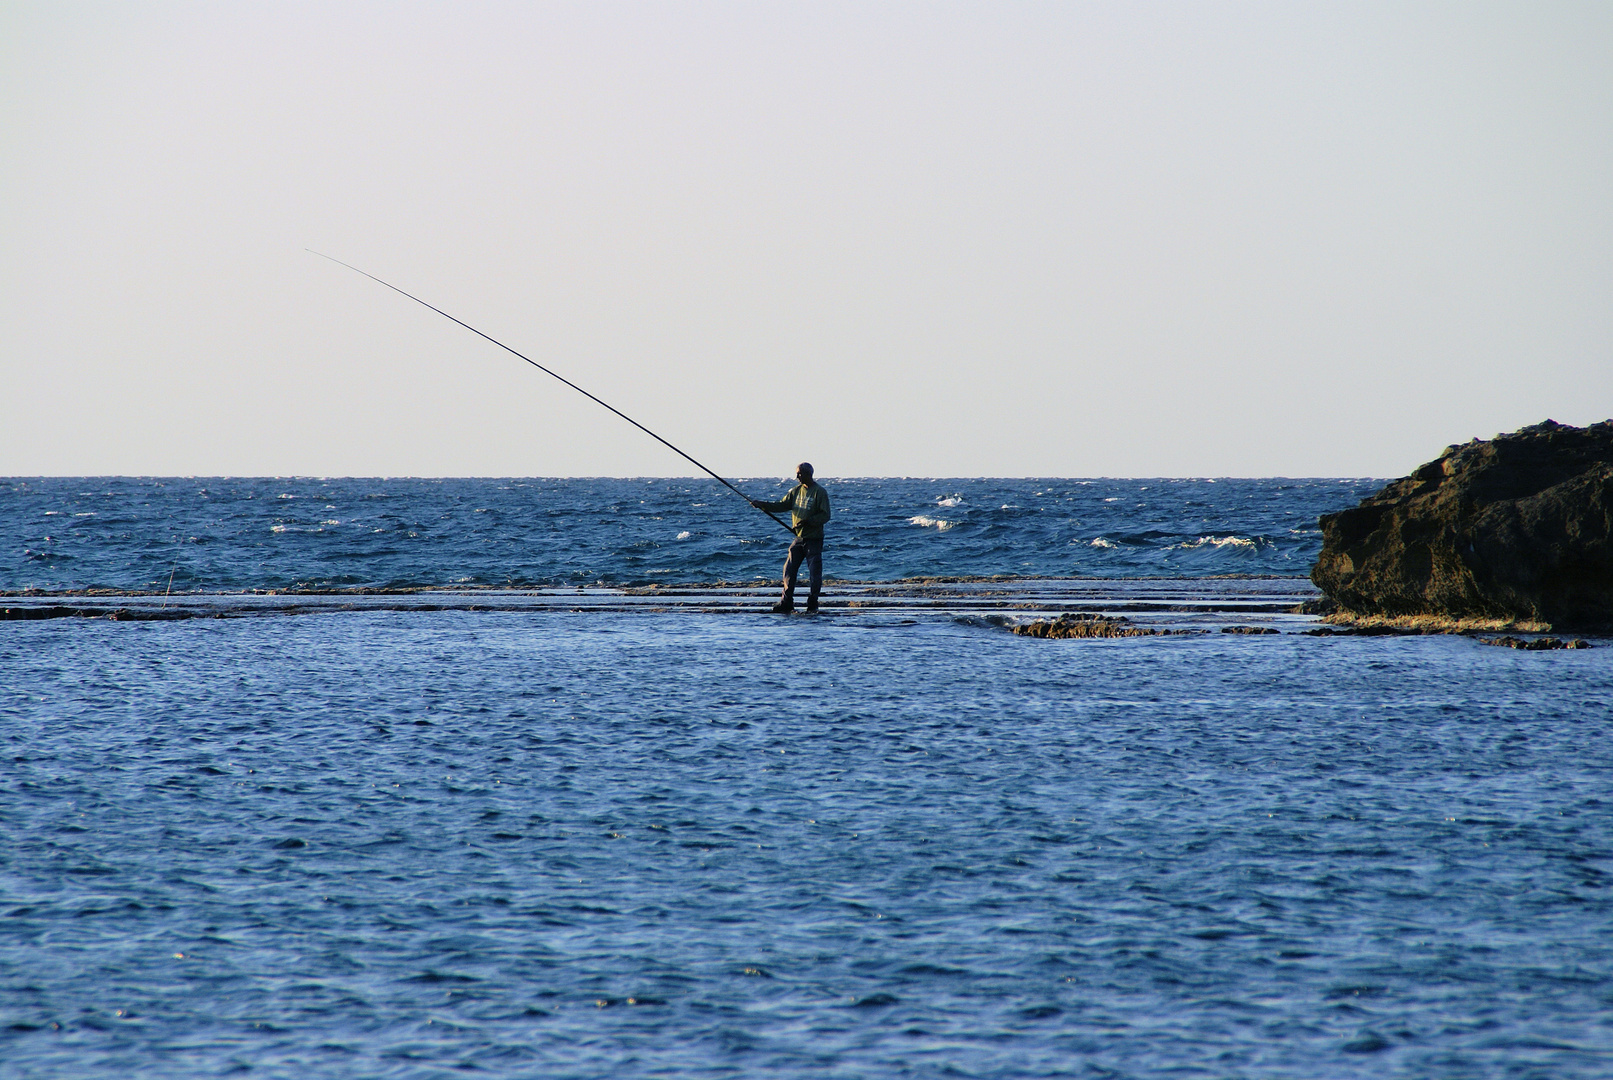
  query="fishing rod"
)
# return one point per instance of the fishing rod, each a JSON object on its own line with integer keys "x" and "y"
{"x": 562, "y": 378}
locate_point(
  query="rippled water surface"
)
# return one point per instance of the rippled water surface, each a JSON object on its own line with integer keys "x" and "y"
{"x": 609, "y": 845}
{"x": 222, "y": 534}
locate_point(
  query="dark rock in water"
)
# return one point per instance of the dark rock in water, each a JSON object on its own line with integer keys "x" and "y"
{"x": 1249, "y": 630}
{"x": 121, "y": 614}
{"x": 1535, "y": 644}
{"x": 1084, "y": 624}
{"x": 1321, "y": 605}
{"x": 1363, "y": 631}
{"x": 1517, "y": 528}
{"x": 52, "y": 612}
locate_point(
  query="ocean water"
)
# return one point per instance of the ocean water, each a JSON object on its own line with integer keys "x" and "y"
{"x": 220, "y": 534}
{"x": 881, "y": 843}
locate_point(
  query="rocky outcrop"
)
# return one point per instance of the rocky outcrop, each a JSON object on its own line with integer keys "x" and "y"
{"x": 1084, "y": 624}
{"x": 1539, "y": 644}
{"x": 1519, "y": 527}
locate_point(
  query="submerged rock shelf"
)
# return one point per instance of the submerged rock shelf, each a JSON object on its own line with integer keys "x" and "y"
{"x": 1049, "y": 608}
{"x": 1156, "y": 600}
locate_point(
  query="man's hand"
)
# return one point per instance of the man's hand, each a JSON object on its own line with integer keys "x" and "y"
{"x": 756, "y": 504}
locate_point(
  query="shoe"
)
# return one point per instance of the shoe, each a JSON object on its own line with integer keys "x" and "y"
{"x": 812, "y": 607}
{"x": 783, "y": 607}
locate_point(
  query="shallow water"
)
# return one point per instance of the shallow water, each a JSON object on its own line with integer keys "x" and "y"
{"x": 616, "y": 844}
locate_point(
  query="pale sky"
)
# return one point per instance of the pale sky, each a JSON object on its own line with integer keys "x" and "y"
{"x": 940, "y": 239}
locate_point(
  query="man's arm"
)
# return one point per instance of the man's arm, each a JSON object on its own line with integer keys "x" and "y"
{"x": 775, "y": 507}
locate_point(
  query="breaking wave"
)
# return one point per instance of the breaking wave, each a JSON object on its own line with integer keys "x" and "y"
{"x": 1238, "y": 543}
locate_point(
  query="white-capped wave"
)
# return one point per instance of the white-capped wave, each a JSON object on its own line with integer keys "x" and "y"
{"x": 1103, "y": 542}
{"x": 930, "y": 522}
{"x": 1236, "y": 542}
{"x": 950, "y": 500}
{"x": 685, "y": 534}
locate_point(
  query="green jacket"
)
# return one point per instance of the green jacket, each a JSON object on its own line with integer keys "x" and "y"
{"x": 808, "y": 507}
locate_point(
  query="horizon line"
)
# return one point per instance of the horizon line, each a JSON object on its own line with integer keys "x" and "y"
{"x": 644, "y": 476}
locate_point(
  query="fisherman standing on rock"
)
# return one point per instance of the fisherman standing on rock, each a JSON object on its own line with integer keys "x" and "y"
{"x": 808, "y": 505}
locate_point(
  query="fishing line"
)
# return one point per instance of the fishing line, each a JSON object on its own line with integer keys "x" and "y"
{"x": 562, "y": 378}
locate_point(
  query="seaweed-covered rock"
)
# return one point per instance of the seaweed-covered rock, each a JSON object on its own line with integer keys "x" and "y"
{"x": 1538, "y": 644}
{"x": 1518, "y": 527}
{"x": 1084, "y": 624}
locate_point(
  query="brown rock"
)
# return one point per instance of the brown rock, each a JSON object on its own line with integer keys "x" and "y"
{"x": 1535, "y": 644}
{"x": 1519, "y": 527}
{"x": 1083, "y": 624}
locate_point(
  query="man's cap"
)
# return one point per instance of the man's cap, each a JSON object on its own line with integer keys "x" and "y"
{"x": 805, "y": 466}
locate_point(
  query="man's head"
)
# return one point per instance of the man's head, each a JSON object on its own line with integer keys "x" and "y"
{"x": 803, "y": 472}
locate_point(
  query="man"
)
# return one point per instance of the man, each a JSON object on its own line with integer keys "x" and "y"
{"x": 808, "y": 505}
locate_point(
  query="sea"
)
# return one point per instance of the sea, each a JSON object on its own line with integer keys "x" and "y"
{"x": 407, "y": 778}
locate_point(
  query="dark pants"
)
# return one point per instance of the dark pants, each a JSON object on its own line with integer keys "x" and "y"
{"x": 811, "y": 550}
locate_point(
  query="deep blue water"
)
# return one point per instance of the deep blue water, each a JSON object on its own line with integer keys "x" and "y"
{"x": 230, "y": 534}
{"x": 621, "y": 844}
